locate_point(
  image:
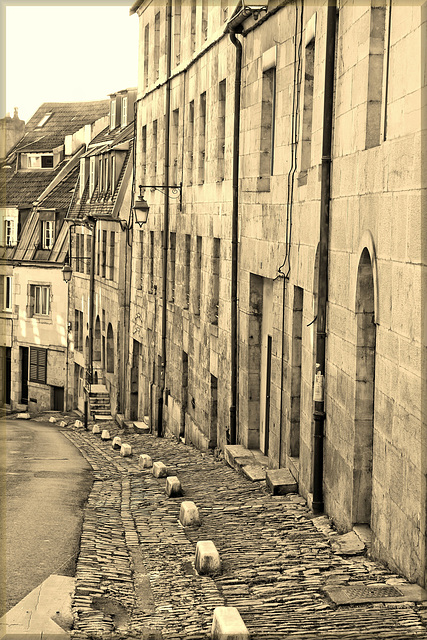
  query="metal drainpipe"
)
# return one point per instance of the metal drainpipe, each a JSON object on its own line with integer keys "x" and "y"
{"x": 165, "y": 222}
{"x": 234, "y": 237}
{"x": 319, "y": 403}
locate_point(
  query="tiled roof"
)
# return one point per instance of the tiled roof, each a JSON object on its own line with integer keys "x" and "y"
{"x": 24, "y": 187}
{"x": 61, "y": 195}
{"x": 66, "y": 118}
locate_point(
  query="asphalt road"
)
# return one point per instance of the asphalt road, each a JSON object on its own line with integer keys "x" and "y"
{"x": 47, "y": 483}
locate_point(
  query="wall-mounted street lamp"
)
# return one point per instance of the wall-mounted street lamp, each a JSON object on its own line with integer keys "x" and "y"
{"x": 67, "y": 272}
{"x": 141, "y": 207}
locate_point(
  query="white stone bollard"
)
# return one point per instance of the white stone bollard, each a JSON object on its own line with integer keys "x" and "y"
{"x": 78, "y": 423}
{"x": 189, "y": 514}
{"x": 53, "y": 419}
{"x": 227, "y": 624}
{"x": 207, "y": 559}
{"x": 23, "y": 416}
{"x": 96, "y": 428}
{"x": 105, "y": 435}
{"x": 62, "y": 423}
{"x": 145, "y": 462}
{"x": 125, "y": 450}
{"x": 117, "y": 442}
{"x": 173, "y": 487}
{"x": 159, "y": 470}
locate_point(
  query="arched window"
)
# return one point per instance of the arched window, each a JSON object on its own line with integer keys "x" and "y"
{"x": 110, "y": 349}
{"x": 97, "y": 341}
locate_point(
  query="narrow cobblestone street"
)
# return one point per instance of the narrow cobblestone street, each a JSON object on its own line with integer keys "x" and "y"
{"x": 135, "y": 573}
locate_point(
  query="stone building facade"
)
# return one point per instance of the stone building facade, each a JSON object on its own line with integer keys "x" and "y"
{"x": 318, "y": 255}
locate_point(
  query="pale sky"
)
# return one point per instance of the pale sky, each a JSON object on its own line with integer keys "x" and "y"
{"x": 67, "y": 53}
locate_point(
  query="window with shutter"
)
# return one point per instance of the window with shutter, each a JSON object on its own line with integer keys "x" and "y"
{"x": 38, "y": 365}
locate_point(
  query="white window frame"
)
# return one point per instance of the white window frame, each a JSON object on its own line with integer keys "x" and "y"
{"x": 48, "y": 231}
{"x": 41, "y": 300}
{"x": 124, "y": 111}
{"x": 7, "y": 293}
{"x": 9, "y": 232}
{"x": 45, "y": 119}
{"x": 113, "y": 114}
{"x": 91, "y": 175}
{"x": 113, "y": 173}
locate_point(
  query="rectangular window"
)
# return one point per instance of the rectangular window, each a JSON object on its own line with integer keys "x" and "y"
{"x": 146, "y": 53}
{"x": 140, "y": 284}
{"x": 144, "y": 153}
{"x": 91, "y": 176}
{"x": 154, "y": 172}
{"x": 224, "y": 10}
{"x": 77, "y": 343}
{"x": 151, "y": 261}
{"x": 157, "y": 46}
{"x": 187, "y": 270}
{"x": 104, "y": 254}
{"x": 98, "y": 253}
{"x": 124, "y": 111}
{"x": 112, "y": 253}
{"x": 113, "y": 173}
{"x": 38, "y": 365}
{"x": 47, "y": 162}
{"x": 41, "y": 295}
{"x": 193, "y": 25}
{"x": 106, "y": 174}
{"x": 100, "y": 177}
{"x": 9, "y": 232}
{"x": 77, "y": 251}
{"x": 190, "y": 141}
{"x": 172, "y": 257}
{"x": 6, "y": 292}
{"x": 174, "y": 146}
{"x": 47, "y": 234}
{"x": 268, "y": 112}
{"x": 88, "y": 253}
{"x": 198, "y": 274}
{"x": 216, "y": 259}
{"x": 202, "y": 137}
{"x": 221, "y": 129}
{"x": 177, "y": 31}
{"x": 307, "y": 117}
{"x": 204, "y": 19}
{"x": 377, "y": 52}
{"x": 113, "y": 114}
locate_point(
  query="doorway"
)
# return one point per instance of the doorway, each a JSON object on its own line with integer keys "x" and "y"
{"x": 57, "y": 398}
{"x": 267, "y": 397}
{"x": 364, "y": 392}
{"x": 134, "y": 382}
{"x": 24, "y": 374}
{"x": 8, "y": 374}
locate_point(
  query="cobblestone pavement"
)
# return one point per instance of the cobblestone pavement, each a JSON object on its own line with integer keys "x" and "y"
{"x": 135, "y": 573}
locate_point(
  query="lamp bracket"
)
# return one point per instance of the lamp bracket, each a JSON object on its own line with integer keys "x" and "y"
{"x": 175, "y": 190}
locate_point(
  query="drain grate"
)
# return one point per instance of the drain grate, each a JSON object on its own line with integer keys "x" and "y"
{"x": 355, "y": 594}
{"x": 385, "y": 591}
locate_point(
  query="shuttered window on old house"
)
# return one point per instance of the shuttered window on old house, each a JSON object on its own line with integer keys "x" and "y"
{"x": 38, "y": 365}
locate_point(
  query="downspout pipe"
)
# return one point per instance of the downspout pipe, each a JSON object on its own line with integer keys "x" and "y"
{"x": 234, "y": 236}
{"x": 325, "y": 197}
{"x": 165, "y": 221}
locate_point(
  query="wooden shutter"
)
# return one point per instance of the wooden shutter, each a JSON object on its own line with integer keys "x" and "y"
{"x": 38, "y": 365}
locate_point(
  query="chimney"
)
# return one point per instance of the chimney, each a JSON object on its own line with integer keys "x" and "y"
{"x": 15, "y": 112}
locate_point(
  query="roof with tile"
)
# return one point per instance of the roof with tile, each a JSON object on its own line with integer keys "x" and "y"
{"x": 66, "y": 118}
{"x": 24, "y": 186}
{"x": 60, "y": 197}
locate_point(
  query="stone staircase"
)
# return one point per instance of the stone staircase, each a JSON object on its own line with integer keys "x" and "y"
{"x": 99, "y": 402}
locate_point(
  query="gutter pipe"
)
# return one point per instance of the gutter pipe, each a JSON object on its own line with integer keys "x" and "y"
{"x": 165, "y": 239}
{"x": 234, "y": 237}
{"x": 325, "y": 197}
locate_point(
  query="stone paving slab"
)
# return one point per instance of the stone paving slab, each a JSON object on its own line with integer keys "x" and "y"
{"x": 276, "y": 559}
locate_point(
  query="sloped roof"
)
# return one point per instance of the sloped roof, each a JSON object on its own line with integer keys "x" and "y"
{"x": 60, "y": 197}
{"x": 66, "y": 119}
{"x": 24, "y": 187}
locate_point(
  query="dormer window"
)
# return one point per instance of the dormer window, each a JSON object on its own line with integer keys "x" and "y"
{"x": 48, "y": 229}
{"x": 124, "y": 111}
{"x": 10, "y": 232}
{"x": 45, "y": 119}
{"x": 92, "y": 177}
{"x": 113, "y": 114}
{"x": 37, "y": 161}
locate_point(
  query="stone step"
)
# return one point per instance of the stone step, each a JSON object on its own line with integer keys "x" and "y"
{"x": 281, "y": 481}
{"x": 102, "y": 416}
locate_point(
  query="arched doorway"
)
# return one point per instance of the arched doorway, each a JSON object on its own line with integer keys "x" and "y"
{"x": 364, "y": 391}
{"x": 110, "y": 349}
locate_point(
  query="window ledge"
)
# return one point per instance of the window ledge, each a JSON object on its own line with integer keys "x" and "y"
{"x": 213, "y": 329}
{"x": 302, "y": 178}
